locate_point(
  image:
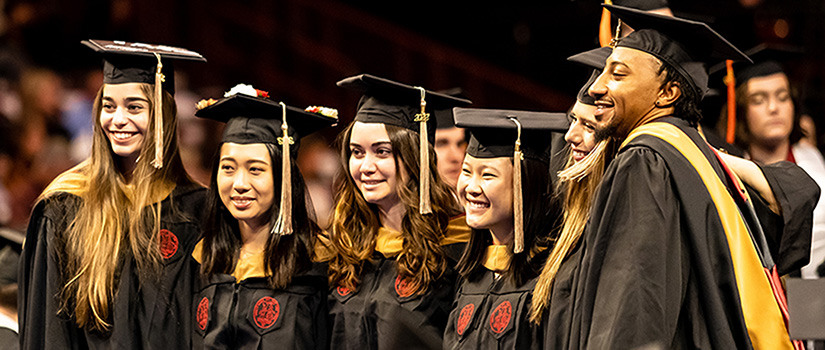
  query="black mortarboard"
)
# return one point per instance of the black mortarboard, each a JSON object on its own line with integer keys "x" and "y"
{"x": 505, "y": 133}
{"x": 390, "y": 102}
{"x": 767, "y": 59}
{"x": 444, "y": 117}
{"x": 125, "y": 62}
{"x": 595, "y": 59}
{"x": 644, "y": 5}
{"x": 257, "y": 119}
{"x": 684, "y": 45}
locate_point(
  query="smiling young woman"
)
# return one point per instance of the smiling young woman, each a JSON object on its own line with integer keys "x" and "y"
{"x": 391, "y": 262}
{"x": 504, "y": 189}
{"x": 102, "y": 263}
{"x": 258, "y": 286}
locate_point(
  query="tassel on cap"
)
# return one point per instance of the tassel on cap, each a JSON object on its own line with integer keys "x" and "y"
{"x": 283, "y": 226}
{"x": 605, "y": 36}
{"x": 424, "y": 206}
{"x": 518, "y": 200}
{"x": 157, "y": 162}
{"x": 730, "y": 82}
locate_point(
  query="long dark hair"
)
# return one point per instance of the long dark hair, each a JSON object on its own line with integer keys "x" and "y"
{"x": 538, "y": 222}
{"x": 355, "y": 222}
{"x": 284, "y": 256}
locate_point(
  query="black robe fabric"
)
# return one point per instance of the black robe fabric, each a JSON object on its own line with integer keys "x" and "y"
{"x": 491, "y": 313}
{"x": 788, "y": 235}
{"x": 146, "y": 313}
{"x": 653, "y": 267}
{"x": 382, "y": 314}
{"x": 251, "y": 315}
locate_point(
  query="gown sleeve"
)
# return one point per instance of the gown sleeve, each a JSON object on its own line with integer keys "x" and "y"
{"x": 634, "y": 273}
{"x": 788, "y": 235}
{"x": 41, "y": 327}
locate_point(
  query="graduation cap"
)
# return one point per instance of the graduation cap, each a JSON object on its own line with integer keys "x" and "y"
{"x": 506, "y": 133}
{"x": 767, "y": 59}
{"x": 444, "y": 117}
{"x": 127, "y": 62}
{"x": 390, "y": 102}
{"x": 595, "y": 59}
{"x": 644, "y": 5}
{"x": 256, "y": 119}
{"x": 685, "y": 45}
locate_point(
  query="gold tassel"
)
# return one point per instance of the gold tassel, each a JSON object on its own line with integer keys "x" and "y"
{"x": 159, "y": 79}
{"x": 518, "y": 200}
{"x": 424, "y": 155}
{"x": 283, "y": 226}
{"x": 605, "y": 37}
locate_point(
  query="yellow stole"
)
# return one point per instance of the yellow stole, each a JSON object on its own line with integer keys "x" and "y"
{"x": 247, "y": 266}
{"x": 389, "y": 242}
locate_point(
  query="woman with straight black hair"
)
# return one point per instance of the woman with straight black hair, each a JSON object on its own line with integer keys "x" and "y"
{"x": 258, "y": 285}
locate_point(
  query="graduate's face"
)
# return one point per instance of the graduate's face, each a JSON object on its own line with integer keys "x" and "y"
{"x": 485, "y": 190}
{"x": 124, "y": 117}
{"x": 629, "y": 85}
{"x": 770, "y": 109}
{"x": 581, "y": 136}
{"x": 372, "y": 164}
{"x": 450, "y": 145}
{"x": 245, "y": 182}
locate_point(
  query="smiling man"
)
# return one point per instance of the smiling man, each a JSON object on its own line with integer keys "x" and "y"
{"x": 672, "y": 256}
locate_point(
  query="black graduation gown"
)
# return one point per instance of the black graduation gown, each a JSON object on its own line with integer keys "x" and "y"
{"x": 251, "y": 315}
{"x": 491, "y": 313}
{"x": 382, "y": 314}
{"x": 146, "y": 313}
{"x": 653, "y": 266}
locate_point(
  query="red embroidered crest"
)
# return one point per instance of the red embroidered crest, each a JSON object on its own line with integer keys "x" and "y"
{"x": 464, "y": 318}
{"x": 402, "y": 287}
{"x": 203, "y": 313}
{"x": 266, "y": 312}
{"x": 168, "y": 243}
{"x": 500, "y": 317}
{"x": 343, "y": 291}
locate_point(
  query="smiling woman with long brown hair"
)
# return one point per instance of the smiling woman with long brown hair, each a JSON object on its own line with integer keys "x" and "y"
{"x": 392, "y": 252}
{"x": 102, "y": 261}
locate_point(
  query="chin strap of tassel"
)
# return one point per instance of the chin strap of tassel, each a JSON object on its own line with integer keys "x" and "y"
{"x": 424, "y": 206}
{"x": 518, "y": 200}
{"x": 283, "y": 226}
{"x": 730, "y": 82}
{"x": 157, "y": 162}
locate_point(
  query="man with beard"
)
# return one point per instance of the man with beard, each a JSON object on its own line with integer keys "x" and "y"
{"x": 673, "y": 255}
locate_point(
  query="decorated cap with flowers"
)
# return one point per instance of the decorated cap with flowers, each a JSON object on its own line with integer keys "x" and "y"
{"x": 251, "y": 117}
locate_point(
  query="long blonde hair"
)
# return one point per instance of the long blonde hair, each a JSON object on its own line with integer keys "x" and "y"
{"x": 355, "y": 222}
{"x": 115, "y": 216}
{"x": 581, "y": 179}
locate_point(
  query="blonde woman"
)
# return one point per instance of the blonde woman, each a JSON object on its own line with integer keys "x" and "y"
{"x": 102, "y": 263}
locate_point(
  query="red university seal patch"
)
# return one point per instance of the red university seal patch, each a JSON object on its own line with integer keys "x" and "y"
{"x": 203, "y": 313}
{"x": 402, "y": 287}
{"x": 500, "y": 317}
{"x": 266, "y": 312}
{"x": 343, "y": 291}
{"x": 464, "y": 318}
{"x": 168, "y": 243}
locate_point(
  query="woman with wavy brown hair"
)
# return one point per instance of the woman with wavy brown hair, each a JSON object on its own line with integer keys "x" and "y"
{"x": 102, "y": 264}
{"x": 392, "y": 244}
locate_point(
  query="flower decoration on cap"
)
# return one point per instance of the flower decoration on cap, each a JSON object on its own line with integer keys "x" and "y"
{"x": 324, "y": 111}
{"x": 247, "y": 90}
{"x": 205, "y": 103}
